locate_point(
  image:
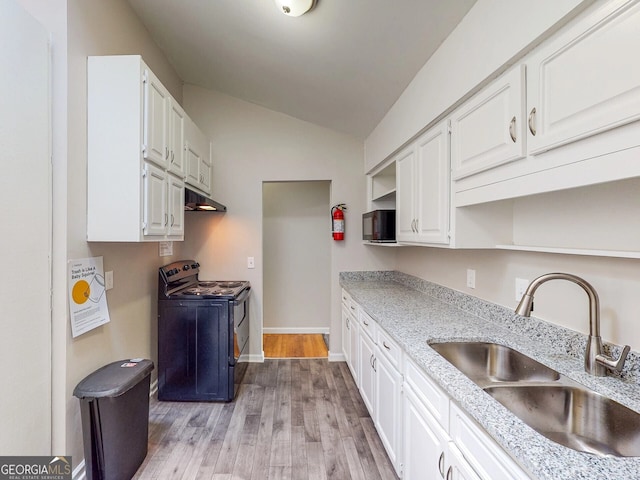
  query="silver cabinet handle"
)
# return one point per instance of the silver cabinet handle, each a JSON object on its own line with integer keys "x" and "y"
{"x": 371, "y": 360}
{"x": 441, "y": 464}
{"x": 384, "y": 344}
{"x": 449, "y": 473}
{"x": 365, "y": 323}
{"x": 417, "y": 227}
{"x": 166, "y": 219}
{"x": 512, "y": 129}
{"x": 532, "y": 119}
{"x": 166, "y": 153}
{"x": 172, "y": 219}
{"x": 374, "y": 364}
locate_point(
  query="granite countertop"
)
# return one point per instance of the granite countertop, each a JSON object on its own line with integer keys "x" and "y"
{"x": 415, "y": 312}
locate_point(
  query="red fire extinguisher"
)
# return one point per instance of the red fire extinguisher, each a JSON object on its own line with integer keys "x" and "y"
{"x": 337, "y": 221}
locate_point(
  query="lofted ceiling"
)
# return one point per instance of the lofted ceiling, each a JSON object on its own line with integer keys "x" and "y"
{"x": 341, "y": 66}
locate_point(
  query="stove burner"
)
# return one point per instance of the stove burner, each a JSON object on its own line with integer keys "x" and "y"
{"x": 207, "y": 284}
{"x": 229, "y": 284}
{"x": 195, "y": 291}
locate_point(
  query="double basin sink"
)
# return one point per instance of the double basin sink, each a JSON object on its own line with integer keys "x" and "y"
{"x": 554, "y": 405}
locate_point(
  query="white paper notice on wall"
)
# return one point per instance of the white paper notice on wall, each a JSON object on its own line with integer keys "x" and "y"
{"x": 87, "y": 298}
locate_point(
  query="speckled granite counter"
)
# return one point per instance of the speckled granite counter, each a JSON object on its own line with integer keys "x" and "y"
{"x": 413, "y": 312}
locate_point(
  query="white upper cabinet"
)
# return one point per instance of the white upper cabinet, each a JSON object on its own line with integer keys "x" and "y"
{"x": 176, "y": 142}
{"x": 156, "y": 105}
{"x": 135, "y": 167}
{"x": 586, "y": 80}
{"x": 422, "y": 191}
{"x": 197, "y": 158}
{"x": 405, "y": 195}
{"x": 488, "y": 130}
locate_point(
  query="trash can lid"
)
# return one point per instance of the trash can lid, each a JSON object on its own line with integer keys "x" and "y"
{"x": 114, "y": 379}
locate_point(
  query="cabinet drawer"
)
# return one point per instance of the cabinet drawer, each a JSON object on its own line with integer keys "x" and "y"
{"x": 433, "y": 397}
{"x": 346, "y": 298}
{"x": 486, "y": 457}
{"x": 389, "y": 348}
{"x": 367, "y": 324}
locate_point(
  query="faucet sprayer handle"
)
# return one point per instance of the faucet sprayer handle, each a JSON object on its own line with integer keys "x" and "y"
{"x": 611, "y": 363}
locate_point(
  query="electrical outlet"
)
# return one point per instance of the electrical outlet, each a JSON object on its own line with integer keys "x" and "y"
{"x": 108, "y": 280}
{"x": 521, "y": 287}
{"x": 471, "y": 278}
{"x": 251, "y": 262}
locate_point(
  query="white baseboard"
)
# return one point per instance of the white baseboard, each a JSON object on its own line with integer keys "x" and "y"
{"x": 259, "y": 358}
{"x": 337, "y": 357}
{"x": 79, "y": 472}
{"x": 298, "y": 330}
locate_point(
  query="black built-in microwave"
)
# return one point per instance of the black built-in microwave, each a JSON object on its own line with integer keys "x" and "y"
{"x": 379, "y": 226}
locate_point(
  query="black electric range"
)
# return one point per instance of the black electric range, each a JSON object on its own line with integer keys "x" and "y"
{"x": 203, "y": 334}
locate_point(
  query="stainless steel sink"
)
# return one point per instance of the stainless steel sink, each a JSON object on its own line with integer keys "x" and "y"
{"x": 487, "y": 363}
{"x": 574, "y": 417}
{"x": 550, "y": 403}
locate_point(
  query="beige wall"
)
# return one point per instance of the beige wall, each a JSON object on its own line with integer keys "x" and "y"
{"x": 297, "y": 257}
{"x": 253, "y": 145}
{"x": 616, "y": 280}
{"x": 488, "y": 37}
{"x": 99, "y": 27}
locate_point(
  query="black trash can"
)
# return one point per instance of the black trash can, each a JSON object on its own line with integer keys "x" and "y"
{"x": 114, "y": 406}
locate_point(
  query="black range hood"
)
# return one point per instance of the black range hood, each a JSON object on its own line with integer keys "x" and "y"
{"x": 196, "y": 202}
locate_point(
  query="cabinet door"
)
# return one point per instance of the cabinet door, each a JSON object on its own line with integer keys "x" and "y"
{"x": 176, "y": 206}
{"x": 156, "y": 99}
{"x": 425, "y": 442}
{"x": 367, "y": 375}
{"x": 584, "y": 81}
{"x": 488, "y": 130}
{"x": 488, "y": 459}
{"x": 354, "y": 340}
{"x": 192, "y": 164}
{"x": 388, "y": 419}
{"x": 346, "y": 335}
{"x": 432, "y": 192}
{"x": 155, "y": 217}
{"x": 205, "y": 172}
{"x": 176, "y": 138}
{"x": 457, "y": 466}
{"x": 405, "y": 196}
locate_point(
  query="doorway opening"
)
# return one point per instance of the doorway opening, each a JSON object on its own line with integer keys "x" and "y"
{"x": 296, "y": 247}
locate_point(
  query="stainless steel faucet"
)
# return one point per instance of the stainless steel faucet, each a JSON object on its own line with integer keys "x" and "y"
{"x": 595, "y": 361}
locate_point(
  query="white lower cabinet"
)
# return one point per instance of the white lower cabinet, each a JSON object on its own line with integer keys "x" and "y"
{"x": 367, "y": 377}
{"x": 388, "y": 405}
{"x": 452, "y": 446}
{"x": 350, "y": 341}
{"x": 425, "y": 434}
{"x": 428, "y": 450}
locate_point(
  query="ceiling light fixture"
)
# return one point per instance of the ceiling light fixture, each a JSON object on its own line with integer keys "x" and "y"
{"x": 295, "y": 8}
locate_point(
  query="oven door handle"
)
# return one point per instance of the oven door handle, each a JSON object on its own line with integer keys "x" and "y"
{"x": 242, "y": 297}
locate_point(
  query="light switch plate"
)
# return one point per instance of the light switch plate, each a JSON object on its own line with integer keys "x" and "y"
{"x": 108, "y": 280}
{"x": 251, "y": 262}
{"x": 165, "y": 248}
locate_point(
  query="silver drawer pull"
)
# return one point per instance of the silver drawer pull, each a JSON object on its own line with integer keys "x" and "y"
{"x": 532, "y": 119}
{"x": 365, "y": 323}
{"x": 512, "y": 129}
{"x": 384, "y": 344}
{"x": 449, "y": 473}
{"x": 441, "y": 464}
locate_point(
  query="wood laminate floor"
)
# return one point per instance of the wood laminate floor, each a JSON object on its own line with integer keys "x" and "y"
{"x": 292, "y": 420}
{"x": 294, "y": 346}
